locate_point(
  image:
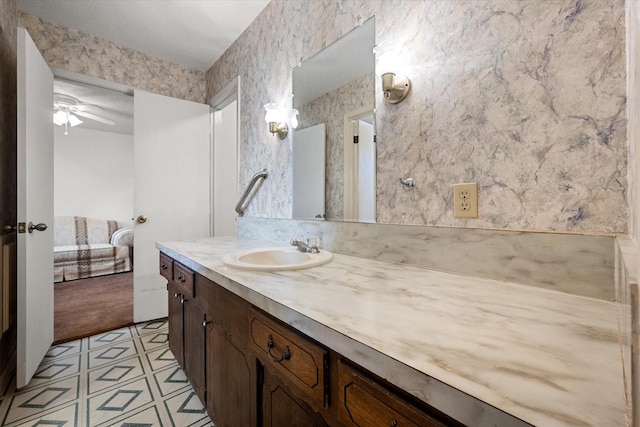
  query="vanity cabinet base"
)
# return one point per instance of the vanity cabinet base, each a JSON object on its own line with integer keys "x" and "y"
{"x": 250, "y": 369}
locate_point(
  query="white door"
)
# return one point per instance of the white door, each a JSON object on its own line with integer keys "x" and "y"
{"x": 35, "y": 204}
{"x": 309, "y": 172}
{"x": 171, "y": 188}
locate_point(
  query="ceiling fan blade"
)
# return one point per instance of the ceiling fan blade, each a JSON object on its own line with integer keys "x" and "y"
{"x": 94, "y": 117}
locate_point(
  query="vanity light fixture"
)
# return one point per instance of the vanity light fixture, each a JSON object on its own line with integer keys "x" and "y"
{"x": 277, "y": 119}
{"x": 395, "y": 87}
{"x": 274, "y": 118}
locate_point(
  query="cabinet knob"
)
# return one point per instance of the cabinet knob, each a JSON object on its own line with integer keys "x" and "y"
{"x": 177, "y": 295}
{"x": 394, "y": 423}
{"x": 183, "y": 300}
{"x": 163, "y": 266}
{"x": 205, "y": 323}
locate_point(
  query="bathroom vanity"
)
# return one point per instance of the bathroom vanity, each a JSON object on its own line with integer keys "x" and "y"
{"x": 359, "y": 342}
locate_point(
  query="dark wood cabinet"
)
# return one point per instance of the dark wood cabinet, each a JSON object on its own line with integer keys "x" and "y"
{"x": 187, "y": 336}
{"x": 250, "y": 369}
{"x": 176, "y": 324}
{"x": 230, "y": 371}
{"x": 230, "y": 382}
{"x": 195, "y": 346}
{"x": 282, "y": 406}
{"x": 299, "y": 362}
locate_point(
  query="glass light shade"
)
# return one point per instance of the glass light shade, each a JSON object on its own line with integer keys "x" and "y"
{"x": 294, "y": 118}
{"x": 60, "y": 118}
{"x": 73, "y": 120}
{"x": 389, "y": 62}
{"x": 273, "y": 112}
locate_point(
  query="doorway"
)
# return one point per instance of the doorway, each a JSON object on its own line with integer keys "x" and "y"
{"x": 360, "y": 166}
{"x": 225, "y": 111}
{"x": 93, "y": 205}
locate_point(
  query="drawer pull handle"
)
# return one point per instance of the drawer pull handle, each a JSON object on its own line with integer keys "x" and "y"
{"x": 163, "y": 266}
{"x": 285, "y": 356}
{"x": 394, "y": 423}
{"x": 183, "y": 300}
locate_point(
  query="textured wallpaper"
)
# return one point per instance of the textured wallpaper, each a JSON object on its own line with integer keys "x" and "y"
{"x": 8, "y": 106}
{"x": 330, "y": 109}
{"x": 527, "y": 98}
{"x": 78, "y": 52}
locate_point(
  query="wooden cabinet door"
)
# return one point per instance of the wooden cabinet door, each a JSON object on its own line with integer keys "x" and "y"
{"x": 194, "y": 347}
{"x": 176, "y": 342}
{"x": 229, "y": 382}
{"x": 280, "y": 407}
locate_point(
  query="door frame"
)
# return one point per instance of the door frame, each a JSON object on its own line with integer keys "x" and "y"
{"x": 351, "y": 161}
{"x": 230, "y": 93}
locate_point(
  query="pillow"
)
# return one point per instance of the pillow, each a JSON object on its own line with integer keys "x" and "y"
{"x": 122, "y": 237}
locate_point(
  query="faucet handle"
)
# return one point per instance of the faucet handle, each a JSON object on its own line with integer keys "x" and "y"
{"x": 313, "y": 241}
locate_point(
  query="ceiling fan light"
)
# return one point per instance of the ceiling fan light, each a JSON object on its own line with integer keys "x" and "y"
{"x": 60, "y": 118}
{"x": 74, "y": 121}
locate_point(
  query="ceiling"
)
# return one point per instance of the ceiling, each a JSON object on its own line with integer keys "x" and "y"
{"x": 193, "y": 33}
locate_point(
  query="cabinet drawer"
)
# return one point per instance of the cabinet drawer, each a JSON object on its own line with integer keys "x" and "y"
{"x": 300, "y": 362}
{"x": 184, "y": 278}
{"x": 166, "y": 267}
{"x": 367, "y": 403}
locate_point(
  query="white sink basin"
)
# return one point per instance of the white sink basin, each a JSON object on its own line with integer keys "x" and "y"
{"x": 276, "y": 258}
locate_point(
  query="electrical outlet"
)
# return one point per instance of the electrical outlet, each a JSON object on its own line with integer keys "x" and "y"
{"x": 465, "y": 200}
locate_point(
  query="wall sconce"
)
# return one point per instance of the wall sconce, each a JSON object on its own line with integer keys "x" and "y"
{"x": 277, "y": 119}
{"x": 395, "y": 87}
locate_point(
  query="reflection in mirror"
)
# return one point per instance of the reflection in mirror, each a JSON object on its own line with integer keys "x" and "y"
{"x": 336, "y": 88}
{"x": 360, "y": 171}
{"x": 308, "y": 168}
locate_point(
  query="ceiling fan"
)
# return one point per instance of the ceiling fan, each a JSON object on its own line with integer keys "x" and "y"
{"x": 67, "y": 109}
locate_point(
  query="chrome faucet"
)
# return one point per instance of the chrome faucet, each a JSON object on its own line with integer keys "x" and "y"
{"x": 308, "y": 245}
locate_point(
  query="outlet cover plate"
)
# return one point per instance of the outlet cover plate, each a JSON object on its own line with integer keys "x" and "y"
{"x": 465, "y": 200}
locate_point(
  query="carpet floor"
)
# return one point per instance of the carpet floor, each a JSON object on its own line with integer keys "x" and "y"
{"x": 88, "y": 307}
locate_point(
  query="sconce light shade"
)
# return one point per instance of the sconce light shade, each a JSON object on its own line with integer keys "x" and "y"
{"x": 272, "y": 112}
{"x": 294, "y": 118}
{"x": 275, "y": 117}
{"x": 395, "y": 87}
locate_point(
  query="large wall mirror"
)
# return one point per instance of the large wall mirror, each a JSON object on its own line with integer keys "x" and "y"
{"x": 334, "y": 92}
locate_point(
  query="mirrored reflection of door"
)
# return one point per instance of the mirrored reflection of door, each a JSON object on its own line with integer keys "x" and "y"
{"x": 359, "y": 166}
{"x": 309, "y": 172}
{"x": 366, "y": 208}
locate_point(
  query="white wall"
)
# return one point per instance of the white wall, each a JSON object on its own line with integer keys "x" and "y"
{"x": 93, "y": 174}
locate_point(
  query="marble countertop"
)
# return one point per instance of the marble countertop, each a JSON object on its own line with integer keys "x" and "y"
{"x": 545, "y": 357}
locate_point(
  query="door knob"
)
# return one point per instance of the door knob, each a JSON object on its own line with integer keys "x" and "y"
{"x": 141, "y": 219}
{"x": 39, "y": 227}
{"x": 8, "y": 228}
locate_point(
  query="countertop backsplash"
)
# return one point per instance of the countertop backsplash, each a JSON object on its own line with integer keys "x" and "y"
{"x": 577, "y": 264}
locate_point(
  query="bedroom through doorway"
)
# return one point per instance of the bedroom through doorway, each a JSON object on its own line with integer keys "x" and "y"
{"x": 93, "y": 206}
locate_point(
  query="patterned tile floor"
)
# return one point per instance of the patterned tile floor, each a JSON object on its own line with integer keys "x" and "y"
{"x": 126, "y": 378}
